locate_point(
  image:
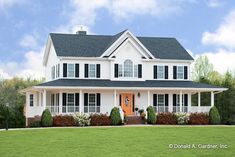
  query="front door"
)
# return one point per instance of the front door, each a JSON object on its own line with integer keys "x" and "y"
{"x": 127, "y": 103}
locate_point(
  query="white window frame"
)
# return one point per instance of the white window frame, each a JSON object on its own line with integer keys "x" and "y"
{"x": 91, "y": 71}
{"x": 177, "y": 72}
{"x": 120, "y": 70}
{"x": 162, "y": 103}
{"x": 57, "y": 70}
{"x": 178, "y": 99}
{"x": 68, "y": 72}
{"x": 67, "y": 103}
{"x": 135, "y": 70}
{"x": 31, "y": 100}
{"x": 128, "y": 67}
{"x": 95, "y": 103}
{"x": 163, "y": 72}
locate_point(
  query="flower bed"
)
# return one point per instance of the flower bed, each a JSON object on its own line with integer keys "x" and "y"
{"x": 100, "y": 119}
{"x": 166, "y": 118}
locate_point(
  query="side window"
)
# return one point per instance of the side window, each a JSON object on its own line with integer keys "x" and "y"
{"x": 31, "y": 100}
{"x": 71, "y": 70}
{"x": 180, "y": 72}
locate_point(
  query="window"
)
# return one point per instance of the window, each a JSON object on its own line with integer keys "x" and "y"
{"x": 57, "y": 70}
{"x": 70, "y": 102}
{"x": 31, "y": 100}
{"x": 92, "y": 104}
{"x": 135, "y": 70}
{"x": 160, "y": 72}
{"x": 53, "y": 72}
{"x": 71, "y": 70}
{"x": 160, "y": 100}
{"x": 92, "y": 70}
{"x": 180, "y": 72}
{"x": 128, "y": 68}
{"x": 52, "y": 99}
{"x": 120, "y": 70}
{"x": 178, "y": 100}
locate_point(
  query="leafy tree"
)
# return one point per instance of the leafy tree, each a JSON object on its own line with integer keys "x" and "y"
{"x": 115, "y": 116}
{"x": 202, "y": 68}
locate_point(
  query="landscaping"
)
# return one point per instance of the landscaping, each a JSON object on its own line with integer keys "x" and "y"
{"x": 144, "y": 141}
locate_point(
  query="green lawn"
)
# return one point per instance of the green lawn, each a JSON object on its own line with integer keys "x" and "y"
{"x": 116, "y": 141}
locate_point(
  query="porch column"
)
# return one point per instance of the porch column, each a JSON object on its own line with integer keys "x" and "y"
{"x": 149, "y": 98}
{"x": 199, "y": 99}
{"x": 44, "y": 98}
{"x": 80, "y": 101}
{"x": 181, "y": 101}
{"x": 189, "y": 101}
{"x": 60, "y": 102}
{"x": 212, "y": 99}
{"x": 115, "y": 98}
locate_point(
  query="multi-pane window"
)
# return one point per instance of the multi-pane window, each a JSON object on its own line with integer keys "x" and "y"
{"x": 128, "y": 68}
{"x": 70, "y": 102}
{"x": 180, "y": 72}
{"x": 135, "y": 70}
{"x": 92, "y": 104}
{"x": 31, "y": 100}
{"x": 71, "y": 70}
{"x": 120, "y": 70}
{"x": 57, "y": 70}
{"x": 53, "y": 72}
{"x": 160, "y": 72}
{"x": 160, "y": 100}
{"x": 178, "y": 100}
{"x": 92, "y": 70}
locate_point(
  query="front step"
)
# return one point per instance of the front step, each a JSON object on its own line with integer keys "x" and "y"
{"x": 134, "y": 120}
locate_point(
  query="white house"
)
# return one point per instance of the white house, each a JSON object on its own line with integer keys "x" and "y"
{"x": 93, "y": 73}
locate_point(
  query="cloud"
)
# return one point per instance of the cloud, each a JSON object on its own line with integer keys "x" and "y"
{"x": 30, "y": 67}
{"x": 5, "y": 4}
{"x": 29, "y": 41}
{"x": 224, "y": 35}
{"x": 215, "y": 3}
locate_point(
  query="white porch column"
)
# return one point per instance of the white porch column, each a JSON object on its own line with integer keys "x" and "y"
{"x": 44, "y": 98}
{"x": 80, "y": 101}
{"x": 212, "y": 99}
{"x": 189, "y": 101}
{"x": 115, "y": 98}
{"x": 181, "y": 101}
{"x": 149, "y": 98}
{"x": 199, "y": 99}
{"x": 60, "y": 102}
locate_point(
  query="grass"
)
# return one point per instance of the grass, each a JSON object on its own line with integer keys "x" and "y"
{"x": 116, "y": 142}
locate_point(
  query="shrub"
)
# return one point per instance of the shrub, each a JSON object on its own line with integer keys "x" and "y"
{"x": 100, "y": 119}
{"x": 214, "y": 116}
{"x": 35, "y": 124}
{"x": 46, "y": 119}
{"x": 82, "y": 119}
{"x": 63, "y": 120}
{"x": 143, "y": 115}
{"x": 151, "y": 116}
{"x": 166, "y": 118}
{"x": 182, "y": 118}
{"x": 198, "y": 119}
{"x": 115, "y": 116}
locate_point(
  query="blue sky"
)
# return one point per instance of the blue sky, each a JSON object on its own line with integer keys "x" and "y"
{"x": 204, "y": 27}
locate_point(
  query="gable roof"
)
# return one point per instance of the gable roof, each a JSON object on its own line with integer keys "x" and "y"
{"x": 75, "y": 45}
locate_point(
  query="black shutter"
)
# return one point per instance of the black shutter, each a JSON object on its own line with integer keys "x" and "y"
{"x": 86, "y": 70}
{"x": 120, "y": 100}
{"x": 174, "y": 72}
{"x": 154, "y": 99}
{"x": 185, "y": 72}
{"x": 76, "y": 99}
{"x": 139, "y": 70}
{"x": 64, "y": 103}
{"x": 85, "y": 99}
{"x": 185, "y": 99}
{"x": 98, "y": 99}
{"x": 76, "y": 70}
{"x": 166, "y": 72}
{"x": 174, "y": 99}
{"x": 166, "y": 99}
{"x": 155, "y": 71}
{"x": 97, "y": 70}
{"x": 133, "y": 103}
{"x": 65, "y": 70}
{"x": 116, "y": 70}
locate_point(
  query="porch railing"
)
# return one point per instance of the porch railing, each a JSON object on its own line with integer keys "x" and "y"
{"x": 161, "y": 108}
{"x": 177, "y": 109}
{"x": 53, "y": 109}
{"x": 70, "y": 109}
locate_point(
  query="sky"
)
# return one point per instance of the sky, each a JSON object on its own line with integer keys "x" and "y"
{"x": 203, "y": 27}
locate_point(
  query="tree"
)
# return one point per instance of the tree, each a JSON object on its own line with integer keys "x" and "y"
{"x": 202, "y": 68}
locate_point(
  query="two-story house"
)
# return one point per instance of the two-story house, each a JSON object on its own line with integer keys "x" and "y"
{"x": 93, "y": 73}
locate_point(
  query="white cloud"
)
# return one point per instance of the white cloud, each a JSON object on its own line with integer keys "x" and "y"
{"x": 29, "y": 41}
{"x": 215, "y": 3}
{"x": 5, "y": 4}
{"x": 224, "y": 35}
{"x": 30, "y": 67}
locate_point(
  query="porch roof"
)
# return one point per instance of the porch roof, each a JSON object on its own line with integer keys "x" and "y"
{"x": 105, "y": 83}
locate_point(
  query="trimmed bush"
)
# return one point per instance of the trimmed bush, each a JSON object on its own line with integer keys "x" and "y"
{"x": 35, "y": 124}
{"x": 166, "y": 118}
{"x": 198, "y": 119}
{"x": 63, "y": 120}
{"x": 182, "y": 118}
{"x": 151, "y": 115}
{"x": 100, "y": 119}
{"x": 115, "y": 116}
{"x": 214, "y": 116}
{"x": 46, "y": 118}
{"x": 82, "y": 119}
